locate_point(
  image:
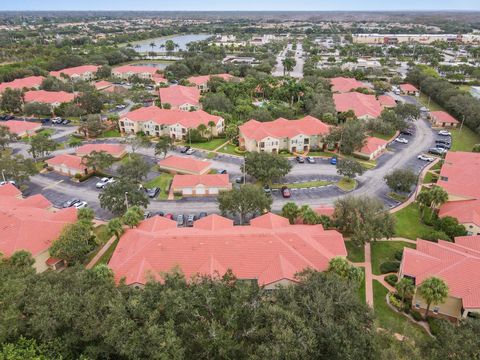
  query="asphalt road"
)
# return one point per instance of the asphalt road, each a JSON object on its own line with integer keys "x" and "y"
{"x": 297, "y": 72}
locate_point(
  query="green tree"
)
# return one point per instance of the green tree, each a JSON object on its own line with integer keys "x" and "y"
{"x": 21, "y": 258}
{"x": 405, "y": 288}
{"x": 350, "y": 137}
{"x": 344, "y": 269}
{"x": 364, "y": 219}
{"x": 266, "y": 168}
{"x": 137, "y": 142}
{"x": 11, "y": 100}
{"x": 216, "y": 102}
{"x": 309, "y": 216}
{"x": 121, "y": 193}
{"x": 90, "y": 102}
{"x": 92, "y": 127}
{"x": 23, "y": 349}
{"x": 37, "y": 109}
{"x": 41, "y": 145}
{"x": 135, "y": 169}
{"x": 86, "y": 216}
{"x": 104, "y": 72}
{"x": 98, "y": 160}
{"x": 245, "y": 200}
{"x": 17, "y": 168}
{"x": 6, "y": 137}
{"x": 231, "y": 131}
{"x": 434, "y": 291}
{"x": 211, "y": 126}
{"x": 291, "y": 211}
{"x": 202, "y": 128}
{"x": 288, "y": 64}
{"x": 133, "y": 216}
{"x": 115, "y": 227}
{"x": 164, "y": 145}
{"x": 450, "y": 226}
{"x": 349, "y": 168}
{"x": 74, "y": 243}
{"x": 401, "y": 180}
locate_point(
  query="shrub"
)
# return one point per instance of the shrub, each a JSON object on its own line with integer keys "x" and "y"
{"x": 399, "y": 255}
{"x": 416, "y": 316}
{"x": 240, "y": 151}
{"x": 394, "y": 301}
{"x": 391, "y": 279}
{"x": 434, "y": 235}
{"x": 476, "y": 148}
{"x": 389, "y": 266}
{"x": 434, "y": 325}
{"x": 429, "y": 218}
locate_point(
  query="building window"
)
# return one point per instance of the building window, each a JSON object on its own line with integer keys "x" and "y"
{"x": 262, "y": 144}
{"x": 305, "y": 141}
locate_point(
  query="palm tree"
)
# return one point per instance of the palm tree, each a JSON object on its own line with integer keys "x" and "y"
{"x": 202, "y": 128}
{"x": 405, "y": 288}
{"x": 439, "y": 197}
{"x": 211, "y": 125}
{"x": 434, "y": 291}
{"x": 152, "y": 45}
{"x": 288, "y": 64}
{"x": 424, "y": 198}
{"x": 115, "y": 227}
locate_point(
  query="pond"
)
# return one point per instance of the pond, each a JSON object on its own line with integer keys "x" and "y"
{"x": 180, "y": 40}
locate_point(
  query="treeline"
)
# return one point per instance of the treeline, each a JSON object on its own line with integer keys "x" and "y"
{"x": 458, "y": 103}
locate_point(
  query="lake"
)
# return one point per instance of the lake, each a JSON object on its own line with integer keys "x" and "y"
{"x": 181, "y": 40}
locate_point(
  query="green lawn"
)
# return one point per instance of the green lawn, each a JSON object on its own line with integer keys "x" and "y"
{"x": 307, "y": 184}
{"x": 383, "y": 251}
{"x": 432, "y": 105}
{"x": 111, "y": 134}
{"x": 355, "y": 253}
{"x": 209, "y": 145}
{"x": 229, "y": 149}
{"x": 430, "y": 178}
{"x": 397, "y": 197}
{"x": 347, "y": 184}
{"x": 391, "y": 320}
{"x": 105, "y": 258}
{"x": 409, "y": 224}
{"x": 464, "y": 140}
{"x": 382, "y": 136}
{"x": 162, "y": 182}
{"x": 437, "y": 166}
{"x": 361, "y": 289}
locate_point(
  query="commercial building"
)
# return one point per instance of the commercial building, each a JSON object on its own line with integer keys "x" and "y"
{"x": 392, "y": 39}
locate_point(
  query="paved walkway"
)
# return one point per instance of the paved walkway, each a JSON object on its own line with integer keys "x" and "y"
{"x": 368, "y": 276}
{"x": 102, "y": 251}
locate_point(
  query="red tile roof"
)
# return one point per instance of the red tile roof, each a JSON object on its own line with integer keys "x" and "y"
{"x": 459, "y": 174}
{"x": 283, "y": 128}
{"x": 28, "y": 82}
{"x": 19, "y": 126}
{"x": 208, "y": 180}
{"x": 372, "y": 144}
{"x": 361, "y": 104}
{"x": 77, "y": 70}
{"x": 102, "y": 84}
{"x": 9, "y": 190}
{"x": 188, "y": 119}
{"x": 70, "y": 161}
{"x": 48, "y": 97}
{"x": 467, "y": 211}
{"x": 112, "y": 149}
{"x": 199, "y": 80}
{"x": 135, "y": 69}
{"x": 268, "y": 250}
{"x": 408, "y": 88}
{"x": 443, "y": 117}
{"x": 458, "y": 264}
{"x": 183, "y": 164}
{"x": 179, "y": 95}
{"x": 387, "y": 101}
{"x": 25, "y": 224}
{"x": 343, "y": 84}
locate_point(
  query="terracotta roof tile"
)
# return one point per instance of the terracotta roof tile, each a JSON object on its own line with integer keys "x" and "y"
{"x": 19, "y": 127}
{"x": 343, "y": 84}
{"x": 77, "y": 70}
{"x": 443, "y": 117}
{"x": 184, "y": 164}
{"x": 179, "y": 95}
{"x": 28, "y": 82}
{"x": 112, "y": 149}
{"x": 70, "y": 161}
{"x": 408, "y": 88}
{"x": 458, "y": 175}
{"x": 199, "y": 80}
{"x": 361, "y": 104}
{"x": 208, "y": 180}
{"x": 48, "y": 97}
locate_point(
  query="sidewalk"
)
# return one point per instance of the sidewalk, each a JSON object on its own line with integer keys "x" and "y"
{"x": 368, "y": 276}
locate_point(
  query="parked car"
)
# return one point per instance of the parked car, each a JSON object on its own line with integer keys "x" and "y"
{"x": 425, "y": 158}
{"x": 436, "y": 151}
{"x": 104, "y": 182}
{"x": 401, "y": 140}
{"x": 159, "y": 213}
{"x": 190, "y": 151}
{"x": 190, "y": 220}
{"x": 333, "y": 161}
{"x": 80, "y": 205}
{"x": 444, "y": 133}
{"x": 239, "y": 179}
{"x": 407, "y": 132}
{"x": 120, "y": 107}
{"x": 267, "y": 190}
{"x": 185, "y": 149}
{"x": 8, "y": 182}
{"x": 221, "y": 171}
{"x": 10, "y": 117}
{"x": 57, "y": 120}
{"x": 153, "y": 192}
{"x": 169, "y": 216}
{"x": 202, "y": 215}
{"x": 180, "y": 220}
{"x": 45, "y": 121}
{"x": 286, "y": 193}
{"x": 70, "y": 203}
{"x": 443, "y": 141}
{"x": 310, "y": 160}
{"x": 444, "y": 146}
{"x": 300, "y": 159}
{"x": 147, "y": 215}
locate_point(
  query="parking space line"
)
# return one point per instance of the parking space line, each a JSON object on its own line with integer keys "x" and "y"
{"x": 52, "y": 185}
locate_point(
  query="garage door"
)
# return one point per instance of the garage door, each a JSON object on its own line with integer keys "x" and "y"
{"x": 187, "y": 191}
{"x": 200, "y": 190}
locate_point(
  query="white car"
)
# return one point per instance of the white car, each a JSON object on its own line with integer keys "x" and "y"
{"x": 425, "y": 158}
{"x": 444, "y": 133}
{"x": 401, "y": 140}
{"x": 8, "y": 182}
{"x": 190, "y": 151}
{"x": 80, "y": 205}
{"x": 104, "y": 182}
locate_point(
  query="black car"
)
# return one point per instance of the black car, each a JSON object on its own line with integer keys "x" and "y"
{"x": 239, "y": 179}
{"x": 407, "y": 132}
{"x": 202, "y": 215}
{"x": 159, "y": 213}
{"x": 185, "y": 149}
{"x": 45, "y": 121}
{"x": 70, "y": 203}
{"x": 66, "y": 122}
{"x": 153, "y": 192}
{"x": 300, "y": 159}
{"x": 3, "y": 117}
{"x": 222, "y": 171}
{"x": 443, "y": 141}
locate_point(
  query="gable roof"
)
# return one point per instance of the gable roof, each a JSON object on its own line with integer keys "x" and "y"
{"x": 70, "y": 161}
{"x": 208, "y": 180}
{"x": 103, "y": 84}
{"x": 136, "y": 69}
{"x": 372, "y": 144}
{"x": 112, "y": 149}
{"x": 458, "y": 264}
{"x": 361, "y": 104}
{"x": 48, "y": 97}
{"x": 466, "y": 211}
{"x": 185, "y": 164}
{"x": 283, "y": 128}
{"x": 75, "y": 71}
{"x": 28, "y": 82}
{"x": 26, "y": 224}
{"x": 459, "y": 174}
{"x": 202, "y": 79}
{"x": 188, "y": 119}
{"x": 214, "y": 244}
{"x": 443, "y": 117}
{"x": 19, "y": 126}
{"x": 408, "y": 88}
{"x": 387, "y": 101}
{"x": 9, "y": 190}
{"x": 344, "y": 84}
{"x": 179, "y": 95}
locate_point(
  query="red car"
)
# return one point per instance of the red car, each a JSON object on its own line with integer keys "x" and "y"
{"x": 169, "y": 216}
{"x": 286, "y": 193}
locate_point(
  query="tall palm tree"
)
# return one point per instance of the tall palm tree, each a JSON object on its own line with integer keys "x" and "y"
{"x": 211, "y": 125}
{"x": 405, "y": 288}
{"x": 115, "y": 227}
{"x": 202, "y": 128}
{"x": 152, "y": 45}
{"x": 434, "y": 291}
{"x": 288, "y": 64}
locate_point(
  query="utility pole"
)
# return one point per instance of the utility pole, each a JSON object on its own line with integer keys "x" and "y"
{"x": 126, "y": 199}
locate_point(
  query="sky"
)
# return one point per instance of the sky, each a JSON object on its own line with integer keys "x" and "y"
{"x": 241, "y": 5}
